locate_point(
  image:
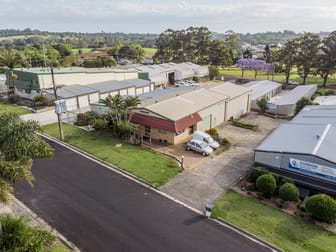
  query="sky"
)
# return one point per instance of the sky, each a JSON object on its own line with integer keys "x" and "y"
{"x": 134, "y": 16}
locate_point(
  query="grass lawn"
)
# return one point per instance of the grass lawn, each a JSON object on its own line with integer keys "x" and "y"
{"x": 280, "y": 77}
{"x": 4, "y": 107}
{"x": 84, "y": 50}
{"x": 59, "y": 248}
{"x": 285, "y": 231}
{"x": 153, "y": 167}
{"x": 149, "y": 52}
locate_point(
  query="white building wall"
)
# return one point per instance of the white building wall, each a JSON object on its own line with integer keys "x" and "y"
{"x": 238, "y": 106}
{"x": 93, "y": 98}
{"x": 131, "y": 91}
{"x": 83, "y": 101}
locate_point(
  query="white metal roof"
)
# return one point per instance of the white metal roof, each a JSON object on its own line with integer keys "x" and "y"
{"x": 312, "y": 139}
{"x": 326, "y": 100}
{"x": 186, "y": 104}
{"x": 72, "y": 91}
{"x": 261, "y": 87}
{"x": 293, "y": 96}
{"x": 229, "y": 89}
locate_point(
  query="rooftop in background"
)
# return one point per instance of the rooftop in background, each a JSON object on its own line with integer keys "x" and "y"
{"x": 294, "y": 95}
{"x": 316, "y": 114}
{"x": 109, "y": 86}
{"x": 261, "y": 87}
{"x": 65, "y": 70}
{"x": 72, "y": 91}
{"x": 313, "y": 139}
{"x": 163, "y": 94}
{"x": 326, "y": 100}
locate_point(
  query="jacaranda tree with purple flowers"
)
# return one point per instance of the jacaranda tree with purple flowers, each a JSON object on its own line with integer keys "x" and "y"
{"x": 255, "y": 65}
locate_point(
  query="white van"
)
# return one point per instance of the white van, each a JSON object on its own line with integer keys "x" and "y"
{"x": 205, "y": 138}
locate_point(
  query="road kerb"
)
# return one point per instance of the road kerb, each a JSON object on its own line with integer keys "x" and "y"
{"x": 153, "y": 188}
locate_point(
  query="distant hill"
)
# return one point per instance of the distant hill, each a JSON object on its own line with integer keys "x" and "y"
{"x": 103, "y": 39}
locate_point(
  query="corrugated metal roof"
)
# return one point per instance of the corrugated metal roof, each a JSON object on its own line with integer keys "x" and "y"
{"x": 110, "y": 86}
{"x": 293, "y": 96}
{"x": 72, "y": 91}
{"x": 261, "y": 88}
{"x": 231, "y": 90}
{"x": 326, "y": 100}
{"x": 186, "y": 104}
{"x": 316, "y": 114}
{"x": 63, "y": 70}
{"x": 137, "y": 82}
{"x": 312, "y": 139}
{"x": 164, "y": 92}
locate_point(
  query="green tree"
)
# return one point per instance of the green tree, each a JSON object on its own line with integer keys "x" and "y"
{"x": 307, "y": 54}
{"x": 18, "y": 236}
{"x": 11, "y": 58}
{"x": 219, "y": 54}
{"x": 287, "y": 57}
{"x": 266, "y": 184}
{"x": 19, "y": 144}
{"x": 304, "y": 101}
{"x": 262, "y": 104}
{"x": 289, "y": 192}
{"x": 63, "y": 49}
{"x": 322, "y": 207}
{"x": 232, "y": 41}
{"x": 121, "y": 109}
{"x": 213, "y": 72}
{"x": 326, "y": 63}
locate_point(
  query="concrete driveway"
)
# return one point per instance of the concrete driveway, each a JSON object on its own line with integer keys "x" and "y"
{"x": 212, "y": 176}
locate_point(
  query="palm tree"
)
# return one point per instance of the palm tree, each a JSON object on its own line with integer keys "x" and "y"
{"x": 130, "y": 103}
{"x": 19, "y": 144}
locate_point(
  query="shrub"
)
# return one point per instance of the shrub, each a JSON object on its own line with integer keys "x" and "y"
{"x": 13, "y": 99}
{"x": 196, "y": 78}
{"x": 90, "y": 115}
{"x": 289, "y": 192}
{"x": 251, "y": 187}
{"x": 256, "y": 173}
{"x": 330, "y": 92}
{"x": 245, "y": 125}
{"x": 214, "y": 133}
{"x": 262, "y": 104}
{"x": 99, "y": 123}
{"x": 224, "y": 141}
{"x": 322, "y": 207}
{"x": 266, "y": 184}
{"x": 304, "y": 101}
{"x": 18, "y": 235}
{"x": 81, "y": 123}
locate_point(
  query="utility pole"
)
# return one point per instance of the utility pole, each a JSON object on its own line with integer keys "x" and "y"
{"x": 59, "y": 115}
{"x": 44, "y": 55}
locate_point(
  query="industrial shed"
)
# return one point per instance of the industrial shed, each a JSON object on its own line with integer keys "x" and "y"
{"x": 168, "y": 73}
{"x": 304, "y": 149}
{"x": 286, "y": 104}
{"x": 239, "y": 99}
{"x": 76, "y": 97}
{"x": 126, "y": 87}
{"x": 325, "y": 100}
{"x": 32, "y": 81}
{"x": 260, "y": 89}
{"x": 202, "y": 108}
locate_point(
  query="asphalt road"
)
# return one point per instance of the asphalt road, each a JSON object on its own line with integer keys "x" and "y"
{"x": 100, "y": 210}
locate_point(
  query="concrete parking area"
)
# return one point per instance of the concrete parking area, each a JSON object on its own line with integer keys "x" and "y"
{"x": 206, "y": 179}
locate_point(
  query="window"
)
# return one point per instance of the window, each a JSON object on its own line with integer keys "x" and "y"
{"x": 147, "y": 130}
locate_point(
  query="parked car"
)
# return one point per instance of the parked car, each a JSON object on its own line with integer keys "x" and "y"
{"x": 199, "y": 146}
{"x": 202, "y": 136}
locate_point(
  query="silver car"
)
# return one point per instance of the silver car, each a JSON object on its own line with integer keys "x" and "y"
{"x": 199, "y": 146}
